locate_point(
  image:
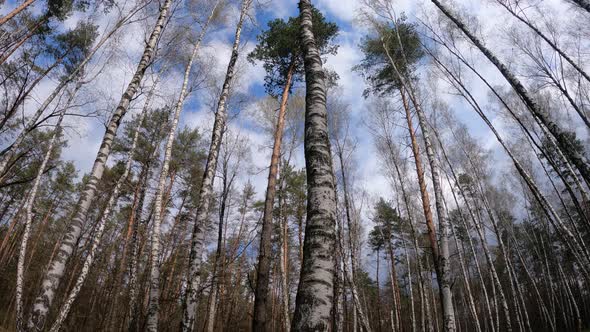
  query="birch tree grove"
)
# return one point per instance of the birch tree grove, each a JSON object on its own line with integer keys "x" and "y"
{"x": 200, "y": 222}
{"x": 240, "y": 165}
{"x": 57, "y": 265}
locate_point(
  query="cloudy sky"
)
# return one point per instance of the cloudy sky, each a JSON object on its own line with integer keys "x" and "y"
{"x": 86, "y": 134}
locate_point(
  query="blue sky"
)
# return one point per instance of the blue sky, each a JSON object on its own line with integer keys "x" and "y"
{"x": 85, "y": 134}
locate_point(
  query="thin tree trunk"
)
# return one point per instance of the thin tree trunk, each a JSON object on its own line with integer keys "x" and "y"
{"x": 542, "y": 304}
{"x": 569, "y": 239}
{"x": 28, "y": 208}
{"x": 357, "y": 306}
{"x": 378, "y": 295}
{"x": 97, "y": 237}
{"x": 570, "y": 295}
{"x": 259, "y": 320}
{"x": 352, "y": 236}
{"x": 560, "y": 136}
{"x": 57, "y": 266}
{"x": 284, "y": 262}
{"x": 159, "y": 207}
{"x": 206, "y": 192}
{"x": 134, "y": 217}
{"x": 423, "y": 311}
{"x": 16, "y": 11}
{"x": 219, "y": 252}
{"x": 464, "y": 223}
{"x": 8, "y": 153}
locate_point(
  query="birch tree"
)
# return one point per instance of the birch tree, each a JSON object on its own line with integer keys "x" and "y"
{"x": 314, "y": 301}
{"x": 279, "y": 49}
{"x": 57, "y": 266}
{"x": 200, "y": 222}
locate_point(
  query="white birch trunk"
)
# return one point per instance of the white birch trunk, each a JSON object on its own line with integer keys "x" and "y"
{"x": 28, "y": 208}
{"x": 200, "y": 224}
{"x": 57, "y": 266}
{"x": 9, "y": 152}
{"x": 97, "y": 237}
{"x": 444, "y": 269}
{"x": 154, "y": 294}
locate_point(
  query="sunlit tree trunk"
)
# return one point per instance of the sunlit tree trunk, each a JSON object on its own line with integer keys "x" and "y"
{"x": 16, "y": 11}
{"x": 260, "y": 321}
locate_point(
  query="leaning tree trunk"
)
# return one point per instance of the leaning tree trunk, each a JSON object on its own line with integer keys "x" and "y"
{"x": 442, "y": 263}
{"x": 28, "y": 208}
{"x": 16, "y": 11}
{"x": 551, "y": 43}
{"x": 154, "y": 295}
{"x": 577, "y": 248}
{"x": 97, "y": 237}
{"x": 8, "y": 153}
{"x": 260, "y": 321}
{"x": 560, "y": 136}
{"x": 423, "y": 190}
{"x": 57, "y": 266}
{"x": 314, "y": 300}
{"x": 134, "y": 217}
{"x": 206, "y": 192}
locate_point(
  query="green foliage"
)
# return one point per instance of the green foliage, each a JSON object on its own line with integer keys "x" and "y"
{"x": 295, "y": 190}
{"x": 387, "y": 222}
{"x": 405, "y": 51}
{"x": 151, "y": 134}
{"x": 465, "y": 182}
{"x": 576, "y": 146}
{"x": 279, "y": 47}
{"x": 74, "y": 45}
{"x": 59, "y": 9}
